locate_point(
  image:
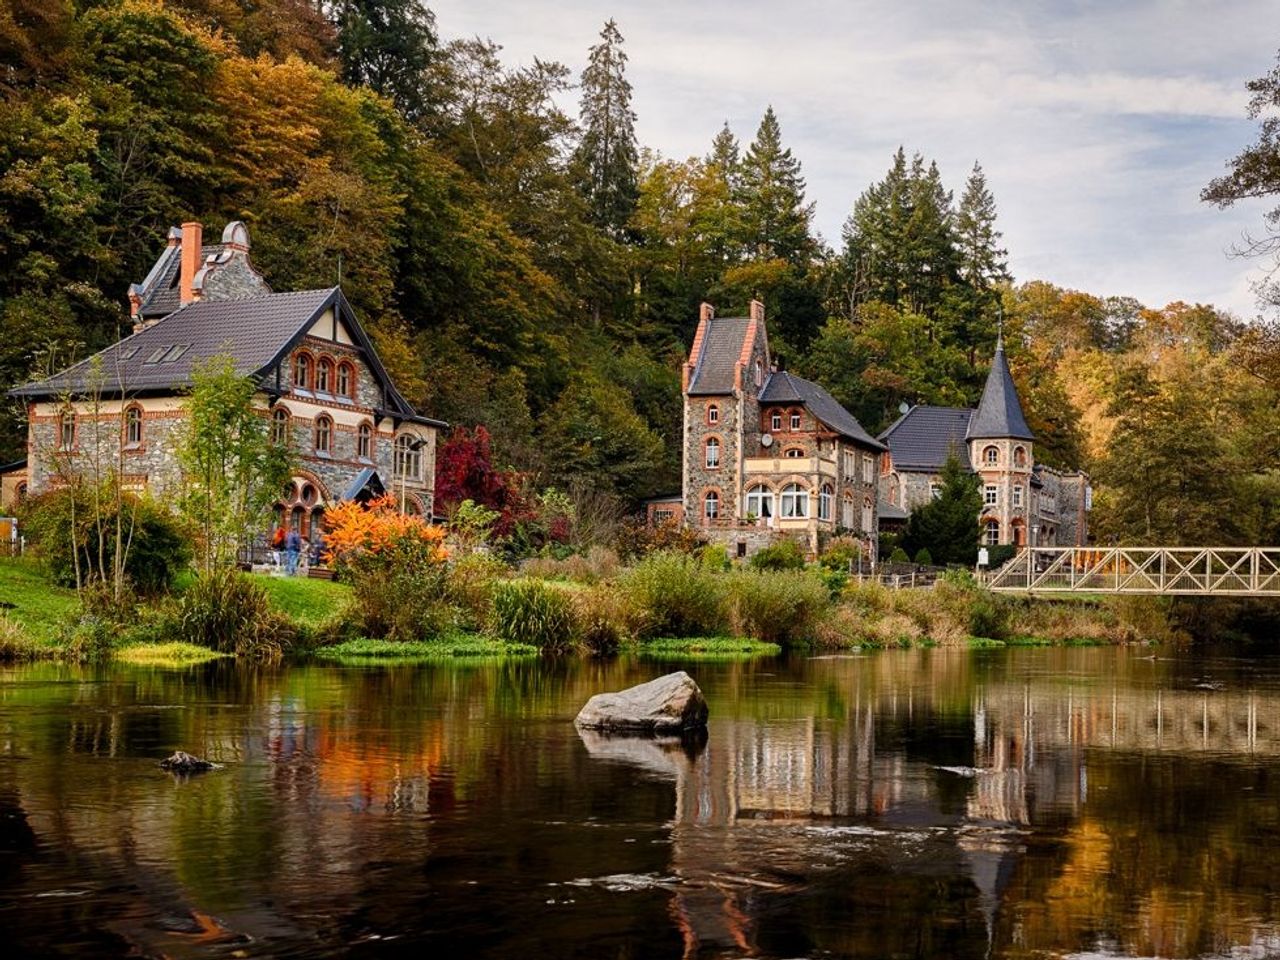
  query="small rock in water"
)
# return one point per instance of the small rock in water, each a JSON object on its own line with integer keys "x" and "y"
{"x": 185, "y": 763}
{"x": 670, "y": 704}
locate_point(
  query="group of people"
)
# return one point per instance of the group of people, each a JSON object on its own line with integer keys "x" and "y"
{"x": 287, "y": 549}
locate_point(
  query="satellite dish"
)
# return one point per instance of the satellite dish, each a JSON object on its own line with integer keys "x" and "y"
{"x": 766, "y": 440}
{"x": 903, "y": 407}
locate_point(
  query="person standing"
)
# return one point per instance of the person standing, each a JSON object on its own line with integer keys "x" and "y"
{"x": 292, "y": 547}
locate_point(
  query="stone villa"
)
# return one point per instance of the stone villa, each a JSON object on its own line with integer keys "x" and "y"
{"x": 320, "y": 383}
{"x": 1024, "y": 503}
{"x": 767, "y": 454}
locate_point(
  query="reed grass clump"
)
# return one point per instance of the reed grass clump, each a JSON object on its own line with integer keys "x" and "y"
{"x": 783, "y": 607}
{"x": 225, "y": 610}
{"x": 673, "y": 595}
{"x": 534, "y": 612}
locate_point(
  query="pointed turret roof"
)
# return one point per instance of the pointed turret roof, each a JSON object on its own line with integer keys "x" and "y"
{"x": 999, "y": 414}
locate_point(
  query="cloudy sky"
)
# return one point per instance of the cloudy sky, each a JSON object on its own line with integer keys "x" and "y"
{"x": 1097, "y": 122}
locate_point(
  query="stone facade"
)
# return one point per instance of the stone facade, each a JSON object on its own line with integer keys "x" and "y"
{"x": 758, "y": 468}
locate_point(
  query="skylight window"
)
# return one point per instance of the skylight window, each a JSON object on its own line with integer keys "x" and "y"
{"x": 175, "y": 352}
{"x": 128, "y": 353}
{"x": 156, "y": 355}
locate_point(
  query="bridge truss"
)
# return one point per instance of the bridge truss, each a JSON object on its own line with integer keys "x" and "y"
{"x": 1181, "y": 571}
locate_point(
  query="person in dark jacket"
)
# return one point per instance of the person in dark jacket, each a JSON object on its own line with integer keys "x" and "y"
{"x": 292, "y": 547}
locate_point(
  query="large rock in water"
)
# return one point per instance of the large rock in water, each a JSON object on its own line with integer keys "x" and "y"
{"x": 670, "y": 704}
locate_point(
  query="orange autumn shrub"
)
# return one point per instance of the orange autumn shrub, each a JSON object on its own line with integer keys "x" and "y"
{"x": 397, "y": 567}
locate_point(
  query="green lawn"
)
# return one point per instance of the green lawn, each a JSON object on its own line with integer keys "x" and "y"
{"x": 31, "y": 601}
{"x": 309, "y": 602}
{"x": 707, "y": 647}
{"x": 468, "y": 645}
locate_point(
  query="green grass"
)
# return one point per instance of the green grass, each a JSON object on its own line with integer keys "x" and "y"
{"x": 31, "y": 601}
{"x": 366, "y": 650}
{"x": 174, "y": 654}
{"x": 306, "y": 601}
{"x": 702, "y": 647}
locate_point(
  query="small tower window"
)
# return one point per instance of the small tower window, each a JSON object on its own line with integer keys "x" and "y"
{"x": 364, "y": 442}
{"x": 713, "y": 453}
{"x": 775, "y": 422}
{"x": 133, "y": 427}
{"x": 795, "y": 421}
{"x": 713, "y": 413}
{"x": 1019, "y": 456}
{"x": 990, "y": 456}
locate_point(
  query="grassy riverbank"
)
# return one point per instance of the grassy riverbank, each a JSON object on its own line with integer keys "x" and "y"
{"x": 667, "y": 606}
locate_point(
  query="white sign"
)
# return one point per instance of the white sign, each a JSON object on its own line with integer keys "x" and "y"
{"x": 984, "y": 558}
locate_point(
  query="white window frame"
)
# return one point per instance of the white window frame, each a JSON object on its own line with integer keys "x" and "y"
{"x": 868, "y": 516}
{"x": 991, "y": 456}
{"x": 794, "y": 502}
{"x": 846, "y": 508}
{"x": 711, "y": 505}
{"x": 991, "y": 532}
{"x": 825, "y": 496}
{"x": 712, "y": 453}
{"x": 795, "y": 422}
{"x": 775, "y": 422}
{"x": 713, "y": 413}
{"x": 760, "y": 502}
{"x": 991, "y": 495}
{"x": 1017, "y": 494}
{"x": 868, "y": 468}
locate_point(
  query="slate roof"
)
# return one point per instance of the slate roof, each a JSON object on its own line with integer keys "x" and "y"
{"x": 718, "y": 357}
{"x": 999, "y": 413}
{"x": 256, "y": 332}
{"x": 160, "y": 293}
{"x": 922, "y": 437}
{"x": 890, "y": 511}
{"x": 784, "y": 387}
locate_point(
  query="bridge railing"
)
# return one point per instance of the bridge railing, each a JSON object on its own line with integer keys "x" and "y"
{"x": 1186, "y": 571}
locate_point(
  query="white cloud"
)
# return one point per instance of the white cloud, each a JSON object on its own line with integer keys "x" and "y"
{"x": 1098, "y": 122}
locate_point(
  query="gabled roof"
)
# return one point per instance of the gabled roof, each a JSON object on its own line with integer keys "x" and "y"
{"x": 256, "y": 332}
{"x": 718, "y": 356}
{"x": 999, "y": 413}
{"x": 784, "y": 387}
{"x": 923, "y": 437}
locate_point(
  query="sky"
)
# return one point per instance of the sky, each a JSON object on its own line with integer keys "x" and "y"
{"x": 1097, "y": 122}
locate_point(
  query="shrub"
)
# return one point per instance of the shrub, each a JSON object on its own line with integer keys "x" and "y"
{"x": 781, "y": 607}
{"x": 598, "y": 563}
{"x": 158, "y": 544}
{"x": 397, "y": 567}
{"x": 899, "y": 556}
{"x": 923, "y": 556}
{"x": 469, "y": 585}
{"x": 225, "y": 610}
{"x": 533, "y": 612}
{"x": 714, "y": 557}
{"x": 636, "y": 538}
{"x": 672, "y": 595}
{"x": 89, "y": 638}
{"x": 16, "y": 645}
{"x": 840, "y": 553}
{"x": 603, "y": 617}
{"x": 783, "y": 555}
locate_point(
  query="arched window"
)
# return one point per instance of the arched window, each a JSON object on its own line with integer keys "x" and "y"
{"x": 408, "y": 457}
{"x": 302, "y": 371}
{"x": 793, "y": 453}
{"x": 990, "y": 456}
{"x": 280, "y": 426}
{"x": 760, "y": 502}
{"x": 759, "y": 372}
{"x": 711, "y": 505}
{"x": 324, "y": 434}
{"x": 868, "y": 516}
{"x": 795, "y": 502}
{"x": 346, "y": 380}
{"x": 309, "y": 494}
{"x": 133, "y": 426}
{"x": 824, "y": 502}
{"x": 324, "y": 375}
{"x": 364, "y": 442}
{"x": 1019, "y": 456}
{"x": 846, "y": 512}
{"x": 991, "y": 531}
{"x": 713, "y": 453}
{"x": 66, "y": 430}
{"x": 775, "y": 421}
{"x": 713, "y": 413}
{"x": 795, "y": 420}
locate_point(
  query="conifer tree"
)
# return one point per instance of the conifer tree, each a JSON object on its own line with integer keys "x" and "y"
{"x": 776, "y": 215}
{"x": 718, "y": 203}
{"x": 607, "y": 154}
{"x": 387, "y": 45}
{"x": 982, "y": 261}
{"x": 948, "y": 526}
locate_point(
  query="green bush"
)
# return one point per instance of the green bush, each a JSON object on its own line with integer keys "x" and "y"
{"x": 672, "y": 595}
{"x": 404, "y": 594}
{"x": 159, "y": 546}
{"x": 783, "y": 607}
{"x": 470, "y": 581}
{"x": 840, "y": 553}
{"x": 534, "y": 612}
{"x": 783, "y": 555}
{"x": 603, "y": 618}
{"x": 227, "y": 611}
{"x": 1000, "y": 554}
{"x": 715, "y": 557}
{"x": 899, "y": 556}
{"x": 923, "y": 556}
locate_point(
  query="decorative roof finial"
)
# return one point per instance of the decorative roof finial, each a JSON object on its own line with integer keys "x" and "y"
{"x": 999, "y": 327}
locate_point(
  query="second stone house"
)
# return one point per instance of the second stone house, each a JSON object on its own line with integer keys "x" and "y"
{"x": 768, "y": 454}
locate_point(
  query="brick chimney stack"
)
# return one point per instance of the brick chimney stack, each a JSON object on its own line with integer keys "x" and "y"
{"x": 756, "y": 311}
{"x": 191, "y": 247}
{"x": 705, "y": 312}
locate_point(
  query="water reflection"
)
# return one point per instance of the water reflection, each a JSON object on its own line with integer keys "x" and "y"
{"x": 924, "y": 803}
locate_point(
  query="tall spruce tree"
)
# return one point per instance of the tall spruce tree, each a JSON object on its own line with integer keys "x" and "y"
{"x": 983, "y": 263}
{"x": 776, "y": 217}
{"x": 719, "y": 198}
{"x": 948, "y": 525}
{"x": 607, "y": 153}
{"x": 388, "y": 46}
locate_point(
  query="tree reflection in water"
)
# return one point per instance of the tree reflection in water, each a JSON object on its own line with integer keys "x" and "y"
{"x": 922, "y": 803}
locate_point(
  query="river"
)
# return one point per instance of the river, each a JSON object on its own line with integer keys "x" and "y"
{"x": 1087, "y": 803}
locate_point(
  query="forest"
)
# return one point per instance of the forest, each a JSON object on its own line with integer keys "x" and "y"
{"x": 537, "y": 271}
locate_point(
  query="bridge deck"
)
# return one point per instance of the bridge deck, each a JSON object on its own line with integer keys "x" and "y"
{"x": 1169, "y": 571}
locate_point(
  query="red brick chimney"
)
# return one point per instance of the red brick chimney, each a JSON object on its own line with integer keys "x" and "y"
{"x": 756, "y": 311}
{"x": 191, "y": 247}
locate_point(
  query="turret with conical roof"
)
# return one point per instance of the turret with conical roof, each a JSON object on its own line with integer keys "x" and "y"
{"x": 1000, "y": 449}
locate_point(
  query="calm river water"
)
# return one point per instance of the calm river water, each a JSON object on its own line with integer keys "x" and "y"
{"x": 1003, "y": 803}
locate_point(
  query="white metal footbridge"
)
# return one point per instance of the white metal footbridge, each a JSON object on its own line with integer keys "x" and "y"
{"x": 1169, "y": 571}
